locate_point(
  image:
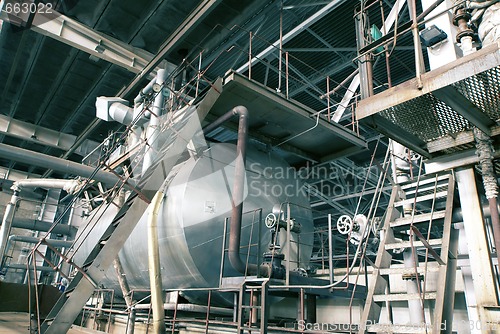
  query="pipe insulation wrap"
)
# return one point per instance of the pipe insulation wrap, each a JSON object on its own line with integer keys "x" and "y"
{"x": 489, "y": 29}
{"x": 70, "y": 186}
{"x": 484, "y": 151}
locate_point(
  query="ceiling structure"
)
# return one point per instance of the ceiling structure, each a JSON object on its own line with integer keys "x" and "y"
{"x": 54, "y": 69}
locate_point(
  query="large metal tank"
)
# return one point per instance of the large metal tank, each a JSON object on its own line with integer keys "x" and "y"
{"x": 191, "y": 222}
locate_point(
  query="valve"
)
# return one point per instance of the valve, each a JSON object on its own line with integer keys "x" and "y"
{"x": 270, "y": 220}
{"x": 344, "y": 224}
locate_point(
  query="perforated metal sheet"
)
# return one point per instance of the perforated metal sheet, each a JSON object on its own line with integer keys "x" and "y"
{"x": 483, "y": 90}
{"x": 426, "y": 117}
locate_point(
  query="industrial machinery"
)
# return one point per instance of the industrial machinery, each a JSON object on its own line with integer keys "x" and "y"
{"x": 191, "y": 223}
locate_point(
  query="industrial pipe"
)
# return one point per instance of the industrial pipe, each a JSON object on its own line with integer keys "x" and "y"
{"x": 153, "y": 131}
{"x": 238, "y": 190}
{"x": 38, "y": 225}
{"x": 154, "y": 265}
{"x": 70, "y": 186}
{"x": 484, "y": 151}
{"x": 57, "y": 164}
{"x": 238, "y": 183}
{"x": 6, "y": 223}
{"x": 34, "y": 240}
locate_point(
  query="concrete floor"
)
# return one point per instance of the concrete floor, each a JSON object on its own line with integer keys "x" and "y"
{"x": 13, "y": 323}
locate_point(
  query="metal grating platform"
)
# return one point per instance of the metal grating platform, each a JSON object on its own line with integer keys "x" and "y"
{"x": 453, "y": 99}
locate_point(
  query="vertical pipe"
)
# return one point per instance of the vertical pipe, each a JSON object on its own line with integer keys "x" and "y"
{"x": 328, "y": 97}
{"x": 250, "y": 57}
{"x": 7, "y": 223}
{"x": 288, "y": 244}
{"x": 365, "y": 66}
{"x": 154, "y": 265}
{"x": 330, "y": 246}
{"x": 484, "y": 151}
{"x": 414, "y": 306}
{"x": 280, "y": 58}
{"x": 131, "y": 321}
{"x": 153, "y": 130}
{"x": 419, "y": 62}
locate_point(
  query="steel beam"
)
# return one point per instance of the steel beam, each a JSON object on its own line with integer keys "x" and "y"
{"x": 78, "y": 35}
{"x": 356, "y": 81}
{"x": 465, "y": 67}
{"x": 477, "y": 243}
{"x": 293, "y": 33}
{"x": 194, "y": 19}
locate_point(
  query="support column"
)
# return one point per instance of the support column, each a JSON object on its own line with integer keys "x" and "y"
{"x": 477, "y": 244}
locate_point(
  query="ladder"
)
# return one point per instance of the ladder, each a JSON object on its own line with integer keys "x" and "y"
{"x": 257, "y": 303}
{"x": 431, "y": 201}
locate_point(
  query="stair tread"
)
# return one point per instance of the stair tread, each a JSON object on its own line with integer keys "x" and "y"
{"x": 402, "y": 271}
{"x": 416, "y": 243}
{"x": 425, "y": 217}
{"x": 403, "y": 296}
{"x": 421, "y": 198}
{"x": 426, "y": 179}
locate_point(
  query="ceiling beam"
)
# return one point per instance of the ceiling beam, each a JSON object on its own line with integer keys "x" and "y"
{"x": 293, "y": 33}
{"x": 96, "y": 44}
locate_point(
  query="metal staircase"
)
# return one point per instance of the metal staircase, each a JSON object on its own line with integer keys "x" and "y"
{"x": 426, "y": 228}
{"x": 256, "y": 290}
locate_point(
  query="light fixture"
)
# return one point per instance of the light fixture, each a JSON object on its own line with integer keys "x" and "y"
{"x": 432, "y": 35}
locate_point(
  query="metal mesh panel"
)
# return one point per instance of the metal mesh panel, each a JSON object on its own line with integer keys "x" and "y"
{"x": 426, "y": 117}
{"x": 483, "y": 90}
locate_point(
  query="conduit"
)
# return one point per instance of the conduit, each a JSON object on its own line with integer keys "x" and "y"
{"x": 154, "y": 265}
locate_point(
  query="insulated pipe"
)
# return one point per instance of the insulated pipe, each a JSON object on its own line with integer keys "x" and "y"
{"x": 34, "y": 240}
{"x": 153, "y": 131}
{"x": 485, "y": 153}
{"x": 6, "y": 223}
{"x": 70, "y": 186}
{"x": 37, "y": 225}
{"x": 57, "y": 164}
{"x": 154, "y": 265}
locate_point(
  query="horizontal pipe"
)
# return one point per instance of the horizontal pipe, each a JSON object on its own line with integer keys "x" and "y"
{"x": 38, "y": 225}
{"x": 31, "y": 267}
{"x": 54, "y": 163}
{"x": 70, "y": 186}
{"x": 187, "y": 308}
{"x": 33, "y": 240}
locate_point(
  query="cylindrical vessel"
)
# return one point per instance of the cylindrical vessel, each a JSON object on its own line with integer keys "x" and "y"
{"x": 191, "y": 222}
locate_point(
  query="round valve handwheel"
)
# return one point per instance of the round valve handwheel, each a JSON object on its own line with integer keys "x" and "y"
{"x": 344, "y": 224}
{"x": 270, "y": 220}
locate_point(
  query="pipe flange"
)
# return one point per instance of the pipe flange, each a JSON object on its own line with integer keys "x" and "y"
{"x": 461, "y": 14}
{"x": 466, "y": 33}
